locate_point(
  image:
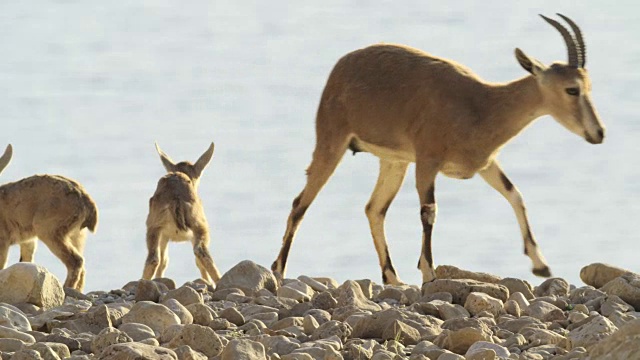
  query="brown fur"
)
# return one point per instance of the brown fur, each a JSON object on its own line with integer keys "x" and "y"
{"x": 176, "y": 214}
{"x": 404, "y": 105}
{"x": 54, "y": 209}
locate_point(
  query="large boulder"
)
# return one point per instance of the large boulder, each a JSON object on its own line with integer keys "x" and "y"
{"x": 624, "y": 344}
{"x": 592, "y": 332}
{"x": 248, "y": 277}
{"x": 598, "y": 274}
{"x": 627, "y": 287}
{"x": 30, "y": 283}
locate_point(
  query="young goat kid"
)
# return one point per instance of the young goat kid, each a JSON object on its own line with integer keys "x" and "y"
{"x": 404, "y": 105}
{"x": 176, "y": 214}
{"x": 52, "y": 208}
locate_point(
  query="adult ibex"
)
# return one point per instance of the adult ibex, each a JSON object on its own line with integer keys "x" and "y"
{"x": 176, "y": 214}
{"x": 52, "y": 208}
{"x": 404, "y": 105}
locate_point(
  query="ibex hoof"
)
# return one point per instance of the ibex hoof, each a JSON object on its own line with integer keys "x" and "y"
{"x": 544, "y": 272}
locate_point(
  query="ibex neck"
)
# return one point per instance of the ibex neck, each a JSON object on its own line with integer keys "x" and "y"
{"x": 512, "y": 107}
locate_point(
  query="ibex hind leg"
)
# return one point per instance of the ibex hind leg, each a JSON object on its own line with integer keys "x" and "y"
{"x": 152, "y": 262}
{"x": 62, "y": 247}
{"x": 330, "y": 148}
{"x": 390, "y": 179}
{"x": 201, "y": 252}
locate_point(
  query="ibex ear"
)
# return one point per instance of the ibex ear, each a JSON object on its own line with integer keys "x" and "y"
{"x": 6, "y": 157}
{"x": 166, "y": 160}
{"x": 530, "y": 64}
{"x": 203, "y": 161}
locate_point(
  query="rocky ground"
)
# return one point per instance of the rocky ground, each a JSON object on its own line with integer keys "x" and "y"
{"x": 461, "y": 315}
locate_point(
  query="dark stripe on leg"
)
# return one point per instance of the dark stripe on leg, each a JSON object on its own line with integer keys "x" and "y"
{"x": 505, "y": 181}
{"x": 427, "y": 227}
{"x": 388, "y": 266}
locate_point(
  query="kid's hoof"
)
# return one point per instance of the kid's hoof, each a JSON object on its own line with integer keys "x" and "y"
{"x": 544, "y": 272}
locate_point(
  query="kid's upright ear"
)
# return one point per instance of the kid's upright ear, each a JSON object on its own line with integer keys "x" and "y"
{"x": 203, "y": 161}
{"x": 166, "y": 160}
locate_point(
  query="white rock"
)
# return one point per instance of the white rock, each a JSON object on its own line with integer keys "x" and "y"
{"x": 157, "y": 316}
{"x": 499, "y": 350}
{"x": 479, "y": 302}
{"x": 30, "y": 283}
{"x": 12, "y": 317}
{"x": 248, "y": 277}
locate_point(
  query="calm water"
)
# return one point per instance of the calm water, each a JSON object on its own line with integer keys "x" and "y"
{"x": 87, "y": 87}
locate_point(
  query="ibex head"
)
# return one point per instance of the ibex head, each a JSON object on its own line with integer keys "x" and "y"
{"x": 566, "y": 87}
{"x": 6, "y": 157}
{"x": 193, "y": 171}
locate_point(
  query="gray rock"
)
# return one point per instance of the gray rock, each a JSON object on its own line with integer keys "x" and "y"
{"x": 332, "y": 328}
{"x": 71, "y": 344}
{"x": 134, "y": 350}
{"x": 553, "y": 286}
{"x": 137, "y": 332}
{"x": 27, "y": 354}
{"x": 243, "y": 349}
{"x": 157, "y": 316}
{"x": 324, "y": 301}
{"x": 200, "y": 338}
{"x": 350, "y": 294}
{"x": 589, "y": 334}
{"x": 278, "y": 344}
{"x": 183, "y": 314}
{"x": 479, "y": 302}
{"x": 544, "y": 311}
{"x": 447, "y": 311}
{"x": 512, "y": 308}
{"x": 499, "y": 350}
{"x": 516, "y": 285}
{"x": 627, "y": 287}
{"x": 7, "y": 332}
{"x": 108, "y": 337}
{"x": 147, "y": 290}
{"x": 389, "y": 292}
{"x": 624, "y": 344}
{"x": 614, "y": 303}
{"x": 202, "y": 314}
{"x": 184, "y": 352}
{"x": 460, "y": 289}
{"x": 30, "y": 283}
{"x": 401, "y": 332}
{"x": 248, "y": 277}
{"x": 185, "y": 295}
{"x": 93, "y": 321}
{"x": 233, "y": 315}
{"x": 598, "y": 274}
{"x": 313, "y": 283}
{"x": 9, "y": 345}
{"x": 584, "y": 294}
{"x": 220, "y": 324}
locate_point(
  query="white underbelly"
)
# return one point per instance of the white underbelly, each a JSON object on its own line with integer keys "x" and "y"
{"x": 388, "y": 153}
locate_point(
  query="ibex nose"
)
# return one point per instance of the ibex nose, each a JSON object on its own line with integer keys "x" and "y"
{"x": 601, "y": 134}
{"x": 598, "y": 139}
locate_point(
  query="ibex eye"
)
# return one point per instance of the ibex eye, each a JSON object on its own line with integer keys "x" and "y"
{"x": 573, "y": 91}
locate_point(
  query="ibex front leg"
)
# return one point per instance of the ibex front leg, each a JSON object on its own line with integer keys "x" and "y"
{"x": 425, "y": 183}
{"x": 389, "y": 181}
{"x": 495, "y": 177}
{"x": 27, "y": 250}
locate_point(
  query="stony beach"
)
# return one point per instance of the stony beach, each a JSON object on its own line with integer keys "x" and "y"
{"x": 252, "y": 315}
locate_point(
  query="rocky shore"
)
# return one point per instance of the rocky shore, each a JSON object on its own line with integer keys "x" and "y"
{"x": 250, "y": 315}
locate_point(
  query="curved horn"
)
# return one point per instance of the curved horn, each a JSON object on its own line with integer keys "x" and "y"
{"x": 568, "y": 39}
{"x": 582, "y": 49}
{"x": 6, "y": 157}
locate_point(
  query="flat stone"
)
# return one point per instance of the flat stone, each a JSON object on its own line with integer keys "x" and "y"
{"x": 452, "y": 272}
{"x": 134, "y": 350}
{"x": 460, "y": 289}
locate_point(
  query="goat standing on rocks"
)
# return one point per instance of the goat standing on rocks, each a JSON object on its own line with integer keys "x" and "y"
{"x": 52, "y": 208}
{"x": 176, "y": 214}
{"x": 404, "y": 105}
